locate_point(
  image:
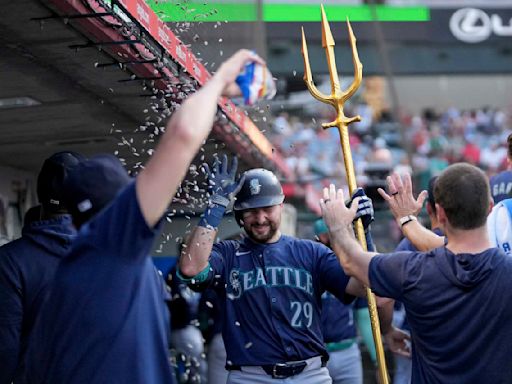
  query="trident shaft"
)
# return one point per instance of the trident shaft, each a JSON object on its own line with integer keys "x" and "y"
{"x": 337, "y": 99}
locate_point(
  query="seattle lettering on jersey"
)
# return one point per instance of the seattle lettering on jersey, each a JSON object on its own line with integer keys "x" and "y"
{"x": 274, "y": 276}
{"x": 501, "y": 188}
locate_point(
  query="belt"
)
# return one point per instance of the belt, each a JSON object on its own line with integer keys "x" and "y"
{"x": 281, "y": 370}
{"x": 340, "y": 345}
{"x": 284, "y": 370}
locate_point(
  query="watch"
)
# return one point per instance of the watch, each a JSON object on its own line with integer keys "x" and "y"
{"x": 407, "y": 219}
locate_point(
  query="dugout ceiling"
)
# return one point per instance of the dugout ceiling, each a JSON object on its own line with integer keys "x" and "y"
{"x": 61, "y": 90}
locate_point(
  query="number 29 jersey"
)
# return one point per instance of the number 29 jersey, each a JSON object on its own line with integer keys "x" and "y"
{"x": 272, "y": 294}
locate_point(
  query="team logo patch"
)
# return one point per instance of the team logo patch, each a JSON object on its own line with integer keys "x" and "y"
{"x": 255, "y": 187}
{"x": 234, "y": 281}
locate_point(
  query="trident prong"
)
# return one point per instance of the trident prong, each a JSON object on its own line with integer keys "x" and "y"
{"x": 308, "y": 78}
{"x": 337, "y": 99}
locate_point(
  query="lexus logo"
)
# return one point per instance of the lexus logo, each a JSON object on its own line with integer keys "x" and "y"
{"x": 473, "y": 25}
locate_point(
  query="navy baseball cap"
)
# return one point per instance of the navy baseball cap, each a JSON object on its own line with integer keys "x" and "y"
{"x": 51, "y": 179}
{"x": 92, "y": 184}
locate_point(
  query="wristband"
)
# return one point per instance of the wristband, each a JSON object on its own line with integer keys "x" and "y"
{"x": 199, "y": 278}
{"x": 220, "y": 200}
{"x": 406, "y": 219}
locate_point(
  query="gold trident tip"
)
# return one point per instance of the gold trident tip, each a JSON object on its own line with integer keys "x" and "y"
{"x": 337, "y": 98}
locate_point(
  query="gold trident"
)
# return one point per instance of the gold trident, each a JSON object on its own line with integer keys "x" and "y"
{"x": 337, "y": 99}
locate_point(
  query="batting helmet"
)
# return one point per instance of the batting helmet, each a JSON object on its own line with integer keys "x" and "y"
{"x": 260, "y": 189}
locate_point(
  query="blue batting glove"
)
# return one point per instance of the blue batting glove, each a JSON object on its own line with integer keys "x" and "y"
{"x": 365, "y": 209}
{"x": 222, "y": 183}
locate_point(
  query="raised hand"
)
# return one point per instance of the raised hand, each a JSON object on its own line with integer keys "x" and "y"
{"x": 400, "y": 198}
{"x": 232, "y": 67}
{"x": 336, "y": 215}
{"x": 222, "y": 183}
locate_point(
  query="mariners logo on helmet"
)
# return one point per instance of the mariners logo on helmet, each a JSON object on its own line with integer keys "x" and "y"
{"x": 261, "y": 188}
{"x": 255, "y": 186}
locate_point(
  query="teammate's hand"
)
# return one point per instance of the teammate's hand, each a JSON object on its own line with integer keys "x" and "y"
{"x": 232, "y": 67}
{"x": 336, "y": 215}
{"x": 222, "y": 184}
{"x": 400, "y": 198}
{"x": 365, "y": 210}
{"x": 398, "y": 342}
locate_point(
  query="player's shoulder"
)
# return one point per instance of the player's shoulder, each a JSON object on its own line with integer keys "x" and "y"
{"x": 502, "y": 177}
{"x": 405, "y": 245}
{"x": 500, "y": 217}
{"x": 304, "y": 243}
{"x": 14, "y": 249}
{"x": 413, "y": 261}
{"x": 229, "y": 245}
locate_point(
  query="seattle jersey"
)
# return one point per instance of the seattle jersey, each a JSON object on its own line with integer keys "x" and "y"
{"x": 501, "y": 186}
{"x": 338, "y": 319}
{"x": 499, "y": 226}
{"x": 272, "y": 294}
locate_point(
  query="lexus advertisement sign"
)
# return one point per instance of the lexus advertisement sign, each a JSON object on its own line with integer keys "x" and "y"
{"x": 476, "y": 25}
{"x": 469, "y": 25}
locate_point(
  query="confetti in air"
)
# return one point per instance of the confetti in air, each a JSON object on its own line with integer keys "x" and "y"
{"x": 136, "y": 145}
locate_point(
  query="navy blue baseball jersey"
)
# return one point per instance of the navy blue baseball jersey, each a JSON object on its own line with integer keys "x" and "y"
{"x": 272, "y": 294}
{"x": 501, "y": 186}
{"x": 458, "y": 308}
{"x": 27, "y": 266}
{"x": 338, "y": 318}
{"x": 104, "y": 320}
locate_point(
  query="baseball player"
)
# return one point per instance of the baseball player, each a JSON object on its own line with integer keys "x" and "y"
{"x": 499, "y": 226}
{"x": 27, "y": 265}
{"x": 456, "y": 296}
{"x": 105, "y": 319}
{"x": 406, "y": 208}
{"x": 501, "y": 184}
{"x": 340, "y": 332}
{"x": 271, "y": 284}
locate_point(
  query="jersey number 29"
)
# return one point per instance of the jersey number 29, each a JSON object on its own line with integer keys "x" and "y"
{"x": 301, "y": 311}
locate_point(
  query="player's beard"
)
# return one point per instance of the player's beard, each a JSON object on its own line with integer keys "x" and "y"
{"x": 261, "y": 237}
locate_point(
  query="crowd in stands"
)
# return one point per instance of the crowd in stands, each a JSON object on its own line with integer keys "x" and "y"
{"x": 435, "y": 139}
